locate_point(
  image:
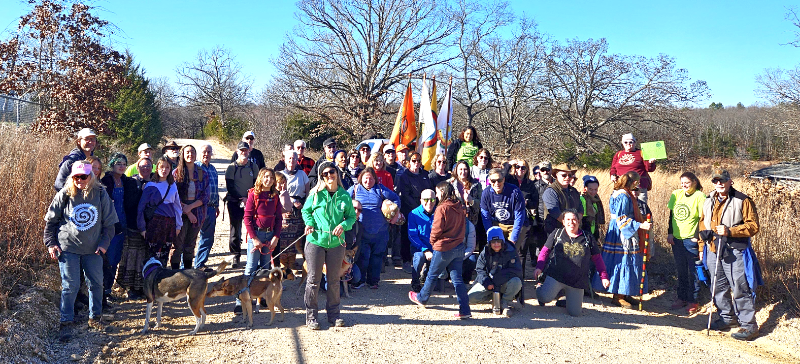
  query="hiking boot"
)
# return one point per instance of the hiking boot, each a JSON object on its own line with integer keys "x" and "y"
{"x": 745, "y": 334}
{"x": 721, "y": 325}
{"x": 98, "y": 325}
{"x": 65, "y": 331}
{"x": 631, "y": 300}
{"x": 413, "y": 297}
{"x": 619, "y": 300}
{"x": 235, "y": 263}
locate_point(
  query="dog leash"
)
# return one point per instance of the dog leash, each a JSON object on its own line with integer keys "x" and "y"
{"x": 272, "y": 263}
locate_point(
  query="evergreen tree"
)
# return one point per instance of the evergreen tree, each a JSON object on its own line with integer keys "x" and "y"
{"x": 137, "y": 118}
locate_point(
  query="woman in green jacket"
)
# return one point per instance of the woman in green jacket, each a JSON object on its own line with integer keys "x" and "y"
{"x": 327, "y": 213}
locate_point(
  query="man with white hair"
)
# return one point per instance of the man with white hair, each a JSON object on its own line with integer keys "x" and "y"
{"x": 305, "y": 162}
{"x": 206, "y": 237}
{"x": 296, "y": 179}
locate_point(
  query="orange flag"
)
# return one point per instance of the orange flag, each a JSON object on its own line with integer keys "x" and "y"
{"x": 405, "y": 127}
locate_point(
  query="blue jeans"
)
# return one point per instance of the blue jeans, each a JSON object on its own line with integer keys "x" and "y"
{"x": 259, "y": 258}
{"x": 70, "y": 266}
{"x": 685, "y": 253}
{"x": 451, "y": 261}
{"x": 113, "y": 256}
{"x": 417, "y": 262}
{"x": 206, "y": 240}
{"x": 373, "y": 249}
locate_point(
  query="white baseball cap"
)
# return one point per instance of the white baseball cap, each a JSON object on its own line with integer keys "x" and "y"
{"x": 144, "y": 146}
{"x": 249, "y": 133}
{"x": 86, "y": 132}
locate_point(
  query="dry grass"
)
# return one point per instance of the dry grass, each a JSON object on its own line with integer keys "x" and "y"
{"x": 29, "y": 166}
{"x": 775, "y": 245}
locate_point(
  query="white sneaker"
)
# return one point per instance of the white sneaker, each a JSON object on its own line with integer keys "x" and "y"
{"x": 507, "y": 312}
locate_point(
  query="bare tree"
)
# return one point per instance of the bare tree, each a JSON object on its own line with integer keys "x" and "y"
{"x": 214, "y": 82}
{"x": 794, "y": 18}
{"x": 346, "y": 59}
{"x": 476, "y": 21}
{"x": 512, "y": 69}
{"x": 593, "y": 94}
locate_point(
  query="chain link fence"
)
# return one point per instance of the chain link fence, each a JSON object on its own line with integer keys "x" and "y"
{"x": 19, "y": 112}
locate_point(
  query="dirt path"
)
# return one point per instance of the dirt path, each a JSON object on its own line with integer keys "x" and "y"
{"x": 383, "y": 326}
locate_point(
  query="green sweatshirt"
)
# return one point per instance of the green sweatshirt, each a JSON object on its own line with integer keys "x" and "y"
{"x": 324, "y": 211}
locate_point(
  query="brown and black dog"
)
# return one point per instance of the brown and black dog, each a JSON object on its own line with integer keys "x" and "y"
{"x": 267, "y": 284}
{"x": 167, "y": 285}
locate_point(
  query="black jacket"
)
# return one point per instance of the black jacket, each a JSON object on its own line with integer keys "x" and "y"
{"x": 452, "y": 152}
{"x": 497, "y": 268}
{"x": 541, "y": 186}
{"x": 130, "y": 198}
{"x": 409, "y": 188}
{"x": 530, "y": 192}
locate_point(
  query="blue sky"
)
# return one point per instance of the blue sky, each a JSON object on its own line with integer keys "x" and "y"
{"x": 724, "y": 43}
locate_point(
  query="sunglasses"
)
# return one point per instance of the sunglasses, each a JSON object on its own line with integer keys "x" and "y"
{"x": 249, "y": 138}
{"x": 521, "y": 167}
{"x": 332, "y": 146}
{"x": 429, "y": 199}
{"x": 388, "y": 152}
{"x": 566, "y": 175}
{"x": 416, "y": 161}
{"x": 328, "y": 173}
{"x": 81, "y": 177}
{"x": 629, "y": 142}
{"x": 544, "y": 170}
{"x": 717, "y": 181}
{"x": 493, "y": 181}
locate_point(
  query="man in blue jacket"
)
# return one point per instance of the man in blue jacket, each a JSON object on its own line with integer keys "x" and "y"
{"x": 499, "y": 270}
{"x": 419, "y": 234}
{"x": 503, "y": 206}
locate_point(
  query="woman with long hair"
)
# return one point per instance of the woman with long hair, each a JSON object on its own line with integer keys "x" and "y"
{"x": 440, "y": 171}
{"x": 685, "y": 208}
{"x": 481, "y": 165}
{"x": 622, "y": 253}
{"x": 163, "y": 224}
{"x": 193, "y": 190}
{"x": 378, "y": 164}
{"x": 447, "y": 240}
{"x": 374, "y": 242}
{"x": 469, "y": 192}
{"x": 79, "y": 225}
{"x": 464, "y": 148}
{"x": 327, "y": 213}
{"x": 124, "y": 194}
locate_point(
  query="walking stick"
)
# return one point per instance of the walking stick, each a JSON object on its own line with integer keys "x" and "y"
{"x": 714, "y": 283}
{"x": 644, "y": 264}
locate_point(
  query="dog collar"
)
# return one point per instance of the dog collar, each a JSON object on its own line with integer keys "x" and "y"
{"x": 149, "y": 270}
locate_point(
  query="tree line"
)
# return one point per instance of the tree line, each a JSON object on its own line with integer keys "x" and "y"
{"x": 341, "y": 72}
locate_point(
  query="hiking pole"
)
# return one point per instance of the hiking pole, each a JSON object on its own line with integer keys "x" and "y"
{"x": 714, "y": 283}
{"x": 644, "y": 264}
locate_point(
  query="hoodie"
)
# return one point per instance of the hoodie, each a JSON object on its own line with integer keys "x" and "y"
{"x": 80, "y": 225}
{"x": 497, "y": 268}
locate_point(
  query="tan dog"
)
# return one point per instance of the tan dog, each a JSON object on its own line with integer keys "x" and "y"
{"x": 349, "y": 260}
{"x": 267, "y": 284}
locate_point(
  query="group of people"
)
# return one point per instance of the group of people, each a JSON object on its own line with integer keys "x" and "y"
{"x": 469, "y": 220}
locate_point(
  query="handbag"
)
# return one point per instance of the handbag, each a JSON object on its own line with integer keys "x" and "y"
{"x": 150, "y": 210}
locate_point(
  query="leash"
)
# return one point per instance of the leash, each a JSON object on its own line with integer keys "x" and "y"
{"x": 272, "y": 263}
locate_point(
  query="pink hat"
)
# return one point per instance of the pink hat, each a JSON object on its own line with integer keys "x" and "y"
{"x": 81, "y": 168}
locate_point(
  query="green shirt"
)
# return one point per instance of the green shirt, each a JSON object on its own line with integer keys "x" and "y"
{"x": 686, "y": 211}
{"x": 467, "y": 152}
{"x": 594, "y": 223}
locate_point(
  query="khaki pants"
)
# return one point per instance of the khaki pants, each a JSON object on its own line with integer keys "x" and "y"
{"x": 523, "y": 235}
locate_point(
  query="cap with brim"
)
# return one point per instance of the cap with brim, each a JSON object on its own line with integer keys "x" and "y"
{"x": 79, "y": 168}
{"x": 545, "y": 164}
{"x": 249, "y": 134}
{"x": 388, "y": 148}
{"x": 721, "y": 174}
{"x": 590, "y": 179}
{"x": 170, "y": 145}
{"x": 402, "y": 147}
{"x": 243, "y": 145}
{"x": 556, "y": 170}
{"x": 328, "y": 142}
{"x": 144, "y": 146}
{"x": 86, "y": 132}
{"x": 495, "y": 233}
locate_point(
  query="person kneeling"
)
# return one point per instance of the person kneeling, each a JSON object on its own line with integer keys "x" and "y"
{"x": 499, "y": 270}
{"x": 572, "y": 250}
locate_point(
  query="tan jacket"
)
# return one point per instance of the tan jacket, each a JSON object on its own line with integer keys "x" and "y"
{"x": 740, "y": 216}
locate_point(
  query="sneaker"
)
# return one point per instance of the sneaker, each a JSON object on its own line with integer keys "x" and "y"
{"x": 338, "y": 323}
{"x": 721, "y": 325}
{"x": 65, "y": 331}
{"x": 358, "y": 285}
{"x": 507, "y": 312}
{"x": 98, "y": 325}
{"x": 678, "y": 304}
{"x": 373, "y": 286}
{"x": 236, "y": 259}
{"x": 693, "y": 309}
{"x": 312, "y": 325}
{"x": 745, "y": 334}
{"x": 237, "y": 310}
{"x": 462, "y": 317}
{"x": 407, "y": 267}
{"x": 413, "y": 297}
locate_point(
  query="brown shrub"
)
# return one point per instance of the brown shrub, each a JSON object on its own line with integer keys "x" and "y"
{"x": 28, "y": 165}
{"x": 775, "y": 245}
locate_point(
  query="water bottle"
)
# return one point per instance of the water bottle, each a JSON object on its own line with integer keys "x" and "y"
{"x": 496, "y": 309}
{"x": 701, "y": 274}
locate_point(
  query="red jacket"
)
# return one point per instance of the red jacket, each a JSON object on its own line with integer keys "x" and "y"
{"x": 632, "y": 161}
{"x": 267, "y": 213}
{"x": 385, "y": 178}
{"x": 447, "y": 230}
